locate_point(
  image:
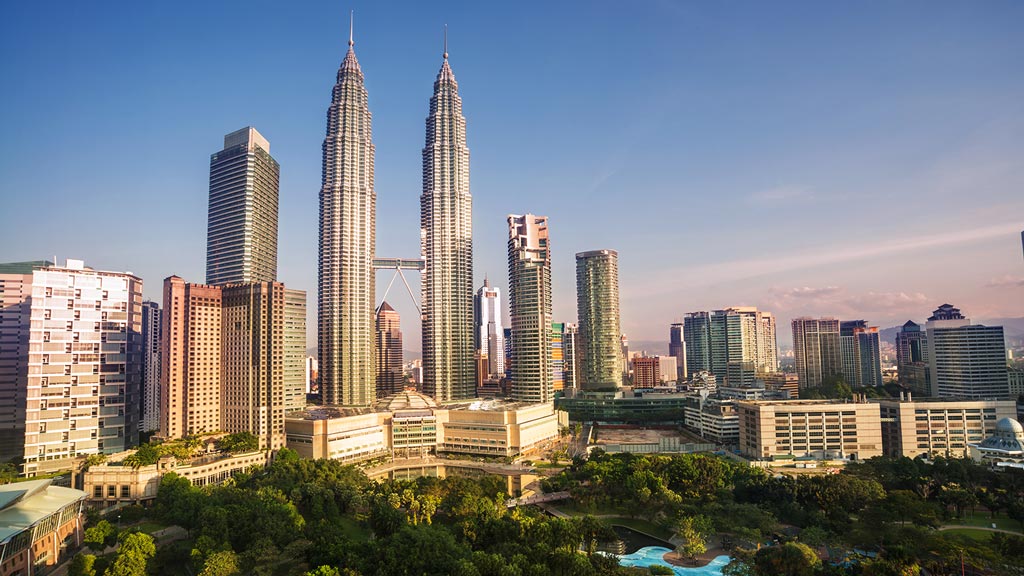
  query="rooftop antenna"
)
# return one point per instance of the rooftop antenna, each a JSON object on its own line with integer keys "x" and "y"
{"x": 351, "y": 19}
{"x": 445, "y": 41}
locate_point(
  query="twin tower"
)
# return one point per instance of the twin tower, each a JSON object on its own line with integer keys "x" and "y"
{"x": 347, "y": 278}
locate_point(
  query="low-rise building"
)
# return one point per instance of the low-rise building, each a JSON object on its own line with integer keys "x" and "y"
{"x": 715, "y": 419}
{"x": 115, "y": 483}
{"x": 38, "y": 523}
{"x": 938, "y": 426}
{"x": 410, "y": 424}
{"x": 820, "y": 429}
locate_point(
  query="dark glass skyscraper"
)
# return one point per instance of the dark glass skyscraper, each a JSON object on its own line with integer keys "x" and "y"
{"x": 241, "y": 237}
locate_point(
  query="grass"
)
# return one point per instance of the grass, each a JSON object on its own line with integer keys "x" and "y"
{"x": 982, "y": 520}
{"x": 148, "y": 527}
{"x": 974, "y": 534}
{"x": 351, "y": 528}
{"x": 641, "y": 526}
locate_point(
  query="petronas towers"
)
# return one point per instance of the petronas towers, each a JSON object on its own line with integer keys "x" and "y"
{"x": 347, "y": 245}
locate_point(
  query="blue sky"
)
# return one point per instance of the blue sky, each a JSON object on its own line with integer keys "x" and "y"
{"x": 853, "y": 159}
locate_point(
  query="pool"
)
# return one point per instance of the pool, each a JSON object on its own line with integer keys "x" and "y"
{"x": 652, "y": 555}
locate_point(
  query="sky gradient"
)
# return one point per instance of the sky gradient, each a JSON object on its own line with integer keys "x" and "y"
{"x": 857, "y": 160}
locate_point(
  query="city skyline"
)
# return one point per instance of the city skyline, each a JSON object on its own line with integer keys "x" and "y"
{"x": 886, "y": 276}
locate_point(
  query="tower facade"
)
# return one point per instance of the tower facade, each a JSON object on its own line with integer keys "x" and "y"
{"x": 861, "y": 353}
{"x": 912, "y": 358}
{"x": 489, "y": 336}
{"x": 241, "y": 237}
{"x": 529, "y": 297}
{"x": 446, "y": 244}
{"x": 697, "y": 342}
{"x": 816, "y": 350}
{"x": 347, "y": 281}
{"x": 965, "y": 360}
{"x": 570, "y": 346}
{"x": 677, "y": 349}
{"x": 152, "y": 319}
{"x": 597, "y": 305}
{"x": 389, "y": 351}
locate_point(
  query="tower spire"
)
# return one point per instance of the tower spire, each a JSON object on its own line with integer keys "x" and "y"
{"x": 351, "y": 20}
{"x": 445, "y": 41}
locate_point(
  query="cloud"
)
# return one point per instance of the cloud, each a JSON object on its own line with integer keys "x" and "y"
{"x": 837, "y": 301}
{"x": 1005, "y": 281}
{"x": 781, "y": 194}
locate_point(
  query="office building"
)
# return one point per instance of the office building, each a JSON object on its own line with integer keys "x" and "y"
{"x": 557, "y": 357}
{"x": 190, "y": 359}
{"x": 253, "y": 361}
{"x": 446, "y": 238}
{"x": 389, "y": 351}
{"x": 715, "y": 419}
{"x": 599, "y": 347}
{"x": 570, "y": 339}
{"x": 912, "y": 358}
{"x": 860, "y": 351}
{"x": 677, "y": 349}
{"x": 820, "y": 429}
{"x": 646, "y": 372}
{"x": 15, "y": 320}
{"x": 965, "y": 360}
{"x": 1015, "y": 379}
{"x": 84, "y": 365}
{"x": 152, "y": 321}
{"x": 312, "y": 375}
{"x": 785, "y": 382}
{"x": 241, "y": 238}
{"x": 626, "y": 364}
{"x": 489, "y": 336}
{"x": 529, "y": 298}
{"x": 697, "y": 343}
{"x": 816, "y": 350}
{"x": 938, "y": 426}
{"x": 347, "y": 279}
{"x": 294, "y": 357}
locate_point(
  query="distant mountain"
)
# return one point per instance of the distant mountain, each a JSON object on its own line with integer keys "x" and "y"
{"x": 1012, "y": 327}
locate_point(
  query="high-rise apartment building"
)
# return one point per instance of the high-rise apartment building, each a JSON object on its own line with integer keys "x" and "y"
{"x": 599, "y": 345}
{"x": 816, "y": 350}
{"x": 152, "y": 320}
{"x": 965, "y": 360}
{"x": 389, "y": 351}
{"x": 241, "y": 238}
{"x": 347, "y": 279}
{"x": 677, "y": 348}
{"x": 646, "y": 372}
{"x": 557, "y": 357}
{"x": 697, "y": 342}
{"x": 446, "y": 244}
{"x": 861, "y": 355}
{"x": 734, "y": 344}
{"x": 912, "y": 358}
{"x": 294, "y": 354}
{"x": 570, "y": 355}
{"x": 489, "y": 336}
{"x": 190, "y": 359}
{"x": 529, "y": 297}
{"x": 15, "y": 320}
{"x": 252, "y": 354}
{"x": 84, "y": 365}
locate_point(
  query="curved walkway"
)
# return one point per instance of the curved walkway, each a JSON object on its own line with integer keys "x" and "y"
{"x": 985, "y": 528}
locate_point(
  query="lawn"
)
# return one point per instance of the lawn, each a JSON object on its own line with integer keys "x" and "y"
{"x": 641, "y": 526}
{"x": 147, "y": 527}
{"x": 353, "y": 530}
{"x": 982, "y": 520}
{"x": 981, "y": 535}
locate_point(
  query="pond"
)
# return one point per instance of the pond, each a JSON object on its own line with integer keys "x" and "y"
{"x": 636, "y": 540}
{"x": 654, "y": 556}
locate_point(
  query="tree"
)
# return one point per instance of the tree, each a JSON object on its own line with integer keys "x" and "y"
{"x": 693, "y": 531}
{"x": 324, "y": 571}
{"x": 100, "y": 536}
{"x": 789, "y": 559}
{"x": 135, "y": 551}
{"x": 82, "y": 565}
{"x": 239, "y": 442}
{"x": 223, "y": 563}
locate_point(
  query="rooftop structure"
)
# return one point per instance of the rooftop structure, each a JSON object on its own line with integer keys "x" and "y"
{"x": 38, "y": 522}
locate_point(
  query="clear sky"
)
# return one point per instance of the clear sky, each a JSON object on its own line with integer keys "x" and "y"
{"x": 862, "y": 160}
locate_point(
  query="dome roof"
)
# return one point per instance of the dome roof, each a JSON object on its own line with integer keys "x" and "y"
{"x": 1009, "y": 425}
{"x": 406, "y": 400}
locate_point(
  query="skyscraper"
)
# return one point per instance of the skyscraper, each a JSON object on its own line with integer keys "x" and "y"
{"x": 697, "y": 342}
{"x": 446, "y": 244}
{"x": 677, "y": 348}
{"x": 912, "y": 358}
{"x": 241, "y": 238}
{"x": 816, "y": 350}
{"x": 965, "y": 360}
{"x": 734, "y": 344}
{"x": 294, "y": 354}
{"x": 389, "y": 351}
{"x": 347, "y": 280}
{"x": 84, "y": 365}
{"x": 599, "y": 345}
{"x": 489, "y": 337}
{"x": 557, "y": 357}
{"x": 529, "y": 297}
{"x": 151, "y": 329}
{"x": 860, "y": 350}
{"x": 570, "y": 347}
